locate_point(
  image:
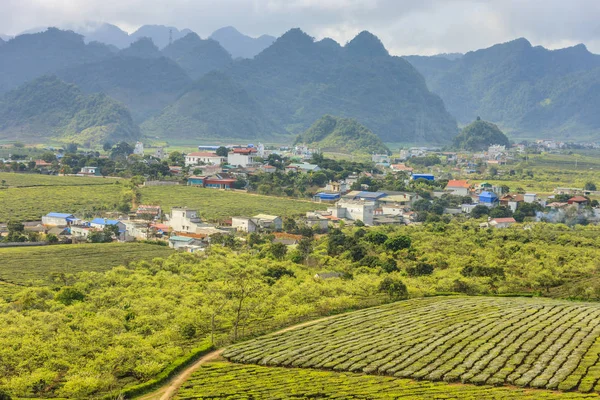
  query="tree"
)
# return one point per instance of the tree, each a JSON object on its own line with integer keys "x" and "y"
{"x": 71, "y": 148}
{"x": 176, "y": 158}
{"x": 107, "y": 146}
{"x": 398, "y": 243}
{"x": 376, "y": 237}
{"x": 394, "y": 288}
{"x": 52, "y": 239}
{"x": 67, "y": 295}
{"x": 590, "y": 186}
{"x": 222, "y": 151}
{"x": 48, "y": 157}
{"x": 121, "y": 150}
{"x": 501, "y": 212}
{"x": 278, "y": 250}
{"x": 479, "y": 211}
{"x": 422, "y": 205}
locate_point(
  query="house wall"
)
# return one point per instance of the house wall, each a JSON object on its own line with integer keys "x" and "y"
{"x": 194, "y": 160}
{"x": 54, "y": 221}
{"x": 181, "y": 220}
{"x": 459, "y": 191}
{"x": 243, "y": 224}
{"x": 240, "y": 159}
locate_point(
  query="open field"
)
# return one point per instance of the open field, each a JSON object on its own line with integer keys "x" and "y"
{"x": 25, "y": 265}
{"x": 32, "y": 180}
{"x": 30, "y": 204}
{"x": 219, "y": 205}
{"x": 535, "y": 343}
{"x": 221, "y": 380}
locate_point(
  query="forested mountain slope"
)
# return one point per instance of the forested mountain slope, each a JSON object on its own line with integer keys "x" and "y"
{"x": 527, "y": 90}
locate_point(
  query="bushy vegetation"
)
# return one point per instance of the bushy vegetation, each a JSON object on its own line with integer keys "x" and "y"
{"x": 331, "y": 133}
{"x": 220, "y": 380}
{"x": 57, "y": 265}
{"x": 518, "y": 341}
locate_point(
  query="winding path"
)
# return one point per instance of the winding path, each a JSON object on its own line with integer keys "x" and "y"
{"x": 170, "y": 389}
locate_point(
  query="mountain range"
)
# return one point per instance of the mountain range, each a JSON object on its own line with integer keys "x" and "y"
{"x": 240, "y": 45}
{"x": 194, "y": 88}
{"x": 529, "y": 91}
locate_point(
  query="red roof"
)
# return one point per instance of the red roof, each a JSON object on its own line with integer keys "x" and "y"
{"x": 503, "y": 220}
{"x": 577, "y": 199}
{"x": 458, "y": 184}
{"x": 245, "y": 151}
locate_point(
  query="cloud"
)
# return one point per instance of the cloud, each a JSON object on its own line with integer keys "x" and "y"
{"x": 404, "y": 26}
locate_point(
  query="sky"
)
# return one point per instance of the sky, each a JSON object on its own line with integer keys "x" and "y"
{"x": 404, "y": 26}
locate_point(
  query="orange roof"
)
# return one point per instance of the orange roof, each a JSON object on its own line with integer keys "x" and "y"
{"x": 460, "y": 184}
{"x": 577, "y": 199}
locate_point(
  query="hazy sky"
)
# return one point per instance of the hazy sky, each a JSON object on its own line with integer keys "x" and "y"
{"x": 404, "y": 26}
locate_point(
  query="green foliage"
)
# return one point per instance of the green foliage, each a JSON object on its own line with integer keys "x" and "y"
{"x": 336, "y": 134}
{"x": 590, "y": 186}
{"x": 479, "y": 135}
{"x": 399, "y": 242}
{"x": 214, "y": 380}
{"x": 477, "y": 340}
{"x": 67, "y": 295}
{"x": 479, "y": 211}
{"x": 394, "y": 288}
{"x": 48, "y": 108}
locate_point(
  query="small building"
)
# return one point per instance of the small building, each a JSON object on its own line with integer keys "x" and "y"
{"x": 135, "y": 230}
{"x": 242, "y": 157}
{"x": 58, "y": 219}
{"x": 188, "y": 244}
{"x": 578, "y": 201}
{"x": 81, "y": 231}
{"x": 489, "y": 199}
{"x": 502, "y": 222}
{"x": 512, "y": 201}
{"x": 89, "y": 171}
{"x": 207, "y": 158}
{"x": 101, "y": 223}
{"x": 354, "y": 210}
{"x": 303, "y": 167}
{"x": 427, "y": 177}
{"x": 326, "y": 197}
{"x": 400, "y": 168}
{"x": 258, "y": 222}
{"x": 184, "y": 220}
{"x": 218, "y": 182}
{"x": 147, "y": 210}
{"x": 243, "y": 224}
{"x": 458, "y": 187}
{"x": 530, "y": 197}
{"x": 138, "y": 150}
{"x": 380, "y": 158}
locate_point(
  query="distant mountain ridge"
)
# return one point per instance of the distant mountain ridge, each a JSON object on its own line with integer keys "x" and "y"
{"x": 240, "y": 45}
{"x": 48, "y": 108}
{"x": 528, "y": 91}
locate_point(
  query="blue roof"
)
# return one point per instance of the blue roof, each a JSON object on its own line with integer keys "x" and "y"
{"x": 59, "y": 215}
{"x": 487, "y": 196}
{"x": 102, "y": 221}
{"x": 328, "y": 196}
{"x": 424, "y": 176}
{"x": 371, "y": 195}
{"x": 180, "y": 239}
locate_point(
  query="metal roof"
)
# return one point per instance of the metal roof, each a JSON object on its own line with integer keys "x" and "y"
{"x": 59, "y": 215}
{"x": 371, "y": 195}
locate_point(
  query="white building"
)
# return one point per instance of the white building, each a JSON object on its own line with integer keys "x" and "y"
{"x": 530, "y": 197}
{"x": 380, "y": 158}
{"x": 138, "y": 150}
{"x": 135, "y": 230}
{"x": 184, "y": 220}
{"x": 354, "y": 210}
{"x": 242, "y": 157}
{"x": 57, "y": 219}
{"x": 206, "y": 158}
{"x": 458, "y": 187}
{"x": 260, "y": 221}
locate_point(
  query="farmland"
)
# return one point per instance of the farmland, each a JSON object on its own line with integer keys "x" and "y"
{"x": 32, "y": 180}
{"x": 38, "y": 265}
{"x": 219, "y": 205}
{"x": 221, "y": 380}
{"x": 535, "y": 343}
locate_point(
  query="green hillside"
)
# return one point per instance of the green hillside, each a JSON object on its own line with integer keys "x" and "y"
{"x": 298, "y": 80}
{"x": 145, "y": 85}
{"x": 213, "y": 107}
{"x": 479, "y": 135}
{"x": 141, "y": 48}
{"x": 534, "y": 343}
{"x": 48, "y": 108}
{"x": 528, "y": 91}
{"x": 341, "y": 135}
{"x": 197, "y": 56}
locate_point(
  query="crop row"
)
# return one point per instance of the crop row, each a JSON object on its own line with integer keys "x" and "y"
{"x": 221, "y": 380}
{"x": 526, "y": 342}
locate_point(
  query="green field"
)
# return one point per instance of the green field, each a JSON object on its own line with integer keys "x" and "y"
{"x": 221, "y": 380}
{"x": 31, "y": 180}
{"x": 36, "y": 265}
{"x": 535, "y": 343}
{"x": 219, "y": 205}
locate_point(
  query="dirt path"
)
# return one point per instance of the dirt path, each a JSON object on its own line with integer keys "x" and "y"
{"x": 168, "y": 391}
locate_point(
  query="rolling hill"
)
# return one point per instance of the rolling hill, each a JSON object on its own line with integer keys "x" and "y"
{"x": 240, "y": 45}
{"x": 50, "y": 109}
{"x": 479, "y": 135}
{"x": 524, "y": 342}
{"x": 528, "y": 91}
{"x": 331, "y": 133}
{"x": 213, "y": 107}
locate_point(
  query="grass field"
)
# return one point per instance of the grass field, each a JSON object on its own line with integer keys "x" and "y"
{"x": 525, "y": 342}
{"x": 31, "y": 203}
{"x": 25, "y": 265}
{"x": 221, "y": 380}
{"x": 32, "y": 180}
{"x": 219, "y": 205}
